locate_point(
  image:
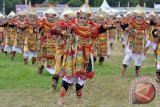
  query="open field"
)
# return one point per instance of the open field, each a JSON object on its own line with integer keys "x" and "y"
{"x": 21, "y": 86}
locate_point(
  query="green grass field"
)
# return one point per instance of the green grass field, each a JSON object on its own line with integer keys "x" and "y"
{"x": 21, "y": 86}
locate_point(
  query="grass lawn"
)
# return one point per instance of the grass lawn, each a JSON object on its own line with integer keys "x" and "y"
{"x": 21, "y": 86}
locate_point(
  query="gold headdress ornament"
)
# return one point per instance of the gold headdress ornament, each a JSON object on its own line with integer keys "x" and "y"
{"x": 31, "y": 10}
{"x": 11, "y": 14}
{"x": 85, "y": 9}
{"x": 50, "y": 11}
{"x": 152, "y": 14}
{"x": 101, "y": 14}
{"x": 22, "y": 13}
{"x": 129, "y": 13}
{"x": 1, "y": 15}
{"x": 119, "y": 16}
{"x": 67, "y": 11}
{"x": 138, "y": 11}
{"x": 111, "y": 14}
{"x": 147, "y": 16}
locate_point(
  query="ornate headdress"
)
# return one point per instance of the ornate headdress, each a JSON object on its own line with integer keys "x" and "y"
{"x": 152, "y": 14}
{"x": 50, "y": 11}
{"x": 84, "y": 10}
{"x": 119, "y": 16}
{"x": 101, "y": 14}
{"x": 67, "y": 11}
{"x": 11, "y": 14}
{"x": 31, "y": 11}
{"x": 138, "y": 11}
{"x": 111, "y": 14}
{"x": 1, "y": 15}
{"x": 129, "y": 13}
{"x": 147, "y": 16}
{"x": 22, "y": 13}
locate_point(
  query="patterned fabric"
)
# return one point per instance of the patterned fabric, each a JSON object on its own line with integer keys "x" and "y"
{"x": 137, "y": 38}
{"x": 78, "y": 51}
{"x": 102, "y": 44}
{"x": 1, "y": 37}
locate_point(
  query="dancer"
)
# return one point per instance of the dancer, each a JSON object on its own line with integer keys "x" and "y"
{"x": 78, "y": 61}
{"x": 135, "y": 47}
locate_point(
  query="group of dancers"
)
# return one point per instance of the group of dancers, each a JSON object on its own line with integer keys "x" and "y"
{"x": 67, "y": 45}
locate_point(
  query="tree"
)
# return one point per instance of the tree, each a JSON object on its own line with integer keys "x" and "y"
{"x": 1, "y": 5}
{"x": 75, "y": 3}
{"x": 135, "y": 2}
{"x": 98, "y": 2}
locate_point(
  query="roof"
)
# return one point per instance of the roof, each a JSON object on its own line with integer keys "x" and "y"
{"x": 105, "y": 7}
{"x": 157, "y": 6}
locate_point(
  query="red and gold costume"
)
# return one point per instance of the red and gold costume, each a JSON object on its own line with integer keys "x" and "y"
{"x": 31, "y": 38}
{"x": 77, "y": 63}
{"x": 49, "y": 44}
{"x": 31, "y": 41}
{"x": 138, "y": 38}
{"x": 136, "y": 42}
{"x": 10, "y": 32}
{"x": 156, "y": 35}
{"x": 78, "y": 55}
{"x": 152, "y": 26}
{"x": 2, "y": 31}
{"x": 21, "y": 33}
{"x": 102, "y": 39}
{"x": 20, "y": 26}
{"x": 111, "y": 23}
{"x": 151, "y": 41}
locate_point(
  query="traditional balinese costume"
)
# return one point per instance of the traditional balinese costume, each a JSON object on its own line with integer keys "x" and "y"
{"x": 31, "y": 38}
{"x": 156, "y": 35}
{"x": 118, "y": 27}
{"x": 136, "y": 42}
{"x": 47, "y": 52}
{"x": 51, "y": 43}
{"x": 2, "y": 31}
{"x": 124, "y": 24}
{"x": 111, "y": 29}
{"x": 20, "y": 26}
{"x": 10, "y": 32}
{"x": 77, "y": 63}
{"x": 102, "y": 39}
{"x": 151, "y": 42}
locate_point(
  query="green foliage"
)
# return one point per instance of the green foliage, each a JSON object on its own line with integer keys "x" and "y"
{"x": 75, "y": 3}
{"x": 98, "y": 2}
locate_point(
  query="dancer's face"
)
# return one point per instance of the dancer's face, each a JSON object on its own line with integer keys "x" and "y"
{"x": 50, "y": 17}
{"x": 1, "y": 19}
{"x": 32, "y": 18}
{"x": 83, "y": 20}
{"x": 100, "y": 20}
{"x": 22, "y": 17}
{"x": 139, "y": 18}
{"x": 11, "y": 19}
